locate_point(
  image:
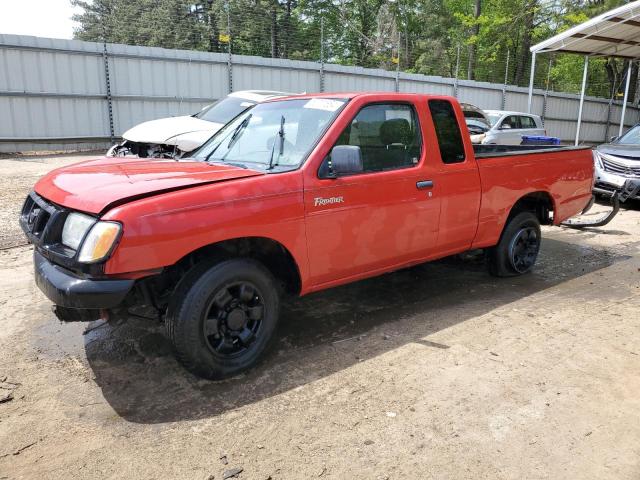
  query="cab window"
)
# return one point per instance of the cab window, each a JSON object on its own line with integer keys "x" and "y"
{"x": 510, "y": 122}
{"x": 447, "y": 131}
{"x": 527, "y": 122}
{"x": 388, "y": 136}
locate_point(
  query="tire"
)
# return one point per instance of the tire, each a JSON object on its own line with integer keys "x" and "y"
{"x": 222, "y": 317}
{"x": 517, "y": 251}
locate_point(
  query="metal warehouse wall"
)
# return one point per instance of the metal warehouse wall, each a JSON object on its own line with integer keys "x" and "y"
{"x": 57, "y": 95}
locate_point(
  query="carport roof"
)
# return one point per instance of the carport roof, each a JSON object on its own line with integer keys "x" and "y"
{"x": 615, "y": 33}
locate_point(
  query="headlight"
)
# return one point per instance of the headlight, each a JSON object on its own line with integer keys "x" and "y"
{"x": 99, "y": 242}
{"x": 597, "y": 160}
{"x": 75, "y": 228}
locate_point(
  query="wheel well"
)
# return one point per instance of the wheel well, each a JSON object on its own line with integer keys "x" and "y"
{"x": 538, "y": 203}
{"x": 272, "y": 254}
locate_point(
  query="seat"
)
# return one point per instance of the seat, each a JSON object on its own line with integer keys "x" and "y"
{"x": 393, "y": 148}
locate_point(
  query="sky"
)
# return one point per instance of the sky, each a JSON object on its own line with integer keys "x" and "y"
{"x": 42, "y": 18}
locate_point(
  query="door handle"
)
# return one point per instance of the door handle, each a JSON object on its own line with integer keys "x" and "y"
{"x": 421, "y": 185}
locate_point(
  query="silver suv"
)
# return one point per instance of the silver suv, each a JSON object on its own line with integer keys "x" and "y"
{"x": 617, "y": 161}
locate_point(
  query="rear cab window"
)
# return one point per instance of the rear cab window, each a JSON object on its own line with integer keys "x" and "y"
{"x": 447, "y": 131}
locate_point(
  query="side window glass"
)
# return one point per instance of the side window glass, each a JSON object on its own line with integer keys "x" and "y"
{"x": 527, "y": 122}
{"x": 447, "y": 131}
{"x": 511, "y": 122}
{"x": 388, "y": 136}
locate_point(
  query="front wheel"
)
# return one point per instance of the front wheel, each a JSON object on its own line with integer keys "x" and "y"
{"x": 517, "y": 251}
{"x": 222, "y": 317}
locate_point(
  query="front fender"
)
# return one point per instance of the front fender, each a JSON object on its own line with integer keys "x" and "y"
{"x": 159, "y": 231}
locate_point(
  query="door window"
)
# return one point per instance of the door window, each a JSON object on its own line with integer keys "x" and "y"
{"x": 388, "y": 136}
{"x": 510, "y": 122}
{"x": 527, "y": 122}
{"x": 447, "y": 131}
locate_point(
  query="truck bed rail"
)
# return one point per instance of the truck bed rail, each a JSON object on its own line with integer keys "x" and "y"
{"x": 489, "y": 151}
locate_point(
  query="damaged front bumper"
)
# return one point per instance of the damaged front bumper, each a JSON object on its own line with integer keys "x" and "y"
{"x": 78, "y": 298}
{"x": 608, "y": 183}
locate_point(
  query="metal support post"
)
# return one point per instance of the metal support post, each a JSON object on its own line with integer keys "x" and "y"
{"x": 504, "y": 85}
{"x": 584, "y": 87}
{"x": 626, "y": 97}
{"x": 229, "y": 57}
{"x": 532, "y": 76}
{"x": 321, "y": 54}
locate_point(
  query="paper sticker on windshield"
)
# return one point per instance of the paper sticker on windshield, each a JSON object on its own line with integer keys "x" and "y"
{"x": 323, "y": 104}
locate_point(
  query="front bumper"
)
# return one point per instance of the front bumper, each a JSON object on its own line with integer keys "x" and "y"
{"x": 65, "y": 289}
{"x": 607, "y": 183}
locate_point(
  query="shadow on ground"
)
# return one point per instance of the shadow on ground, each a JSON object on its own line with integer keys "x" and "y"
{"x": 319, "y": 334}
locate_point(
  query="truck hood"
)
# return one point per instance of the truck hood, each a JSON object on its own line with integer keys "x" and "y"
{"x": 96, "y": 185}
{"x": 630, "y": 152}
{"x": 188, "y": 132}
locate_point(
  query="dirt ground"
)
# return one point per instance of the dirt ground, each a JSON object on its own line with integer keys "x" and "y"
{"x": 17, "y": 177}
{"x": 437, "y": 371}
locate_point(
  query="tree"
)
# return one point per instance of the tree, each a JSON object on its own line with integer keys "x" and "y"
{"x": 428, "y": 34}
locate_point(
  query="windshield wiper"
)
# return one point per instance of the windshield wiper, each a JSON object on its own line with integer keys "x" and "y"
{"x": 273, "y": 147}
{"x": 233, "y": 139}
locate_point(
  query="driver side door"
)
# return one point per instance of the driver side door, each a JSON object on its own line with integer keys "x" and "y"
{"x": 387, "y": 214}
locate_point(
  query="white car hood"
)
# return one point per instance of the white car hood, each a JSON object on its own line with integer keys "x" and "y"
{"x": 186, "y": 132}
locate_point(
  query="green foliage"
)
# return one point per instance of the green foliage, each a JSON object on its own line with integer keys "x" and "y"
{"x": 433, "y": 37}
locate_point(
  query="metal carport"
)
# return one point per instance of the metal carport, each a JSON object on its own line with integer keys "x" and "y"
{"x": 615, "y": 33}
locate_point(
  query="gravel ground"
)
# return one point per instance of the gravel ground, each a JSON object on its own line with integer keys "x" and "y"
{"x": 437, "y": 371}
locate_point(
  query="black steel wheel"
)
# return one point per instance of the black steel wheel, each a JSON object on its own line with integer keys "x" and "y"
{"x": 517, "y": 251}
{"x": 222, "y": 317}
{"x": 523, "y": 249}
{"x": 233, "y": 319}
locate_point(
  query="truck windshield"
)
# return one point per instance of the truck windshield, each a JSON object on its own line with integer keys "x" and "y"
{"x": 273, "y": 134}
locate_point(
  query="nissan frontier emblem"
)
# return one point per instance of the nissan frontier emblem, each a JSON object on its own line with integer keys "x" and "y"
{"x": 320, "y": 201}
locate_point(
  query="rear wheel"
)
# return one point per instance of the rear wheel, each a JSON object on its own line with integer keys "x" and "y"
{"x": 222, "y": 317}
{"x": 517, "y": 251}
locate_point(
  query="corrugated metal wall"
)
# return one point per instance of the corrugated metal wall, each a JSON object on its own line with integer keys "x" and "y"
{"x": 53, "y": 93}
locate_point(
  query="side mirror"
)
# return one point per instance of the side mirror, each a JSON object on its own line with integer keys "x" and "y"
{"x": 506, "y": 126}
{"x": 613, "y": 139}
{"x": 343, "y": 160}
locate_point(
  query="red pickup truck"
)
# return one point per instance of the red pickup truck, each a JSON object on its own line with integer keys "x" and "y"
{"x": 293, "y": 196}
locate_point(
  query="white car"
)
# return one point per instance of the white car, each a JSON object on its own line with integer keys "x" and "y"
{"x": 508, "y": 128}
{"x": 177, "y": 136}
{"x": 477, "y": 121}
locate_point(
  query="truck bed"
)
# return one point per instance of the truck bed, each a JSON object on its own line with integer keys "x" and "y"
{"x": 508, "y": 173}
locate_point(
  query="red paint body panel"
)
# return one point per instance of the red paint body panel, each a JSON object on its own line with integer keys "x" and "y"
{"x": 383, "y": 223}
{"x": 160, "y": 230}
{"x": 384, "y": 219}
{"x": 92, "y": 186}
{"x": 566, "y": 175}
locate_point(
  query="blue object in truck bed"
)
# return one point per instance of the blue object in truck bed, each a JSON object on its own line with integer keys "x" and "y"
{"x": 539, "y": 140}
